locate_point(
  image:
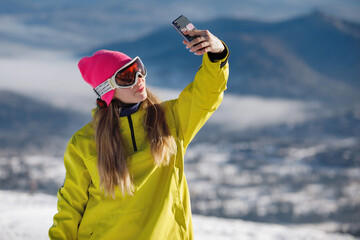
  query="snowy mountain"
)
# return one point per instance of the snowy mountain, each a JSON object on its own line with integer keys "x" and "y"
{"x": 74, "y": 25}
{"x": 313, "y": 56}
{"x": 29, "y": 216}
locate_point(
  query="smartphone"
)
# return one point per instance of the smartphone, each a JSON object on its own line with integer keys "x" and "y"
{"x": 182, "y": 24}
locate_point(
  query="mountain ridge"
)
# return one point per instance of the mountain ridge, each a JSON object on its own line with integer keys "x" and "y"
{"x": 28, "y": 124}
{"x": 303, "y": 58}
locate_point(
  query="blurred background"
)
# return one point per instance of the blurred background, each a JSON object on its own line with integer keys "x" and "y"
{"x": 283, "y": 148}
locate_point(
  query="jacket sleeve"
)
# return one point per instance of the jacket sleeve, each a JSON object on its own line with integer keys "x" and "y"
{"x": 72, "y": 196}
{"x": 202, "y": 97}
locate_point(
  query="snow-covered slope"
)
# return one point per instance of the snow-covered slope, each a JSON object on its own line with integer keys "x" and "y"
{"x": 29, "y": 216}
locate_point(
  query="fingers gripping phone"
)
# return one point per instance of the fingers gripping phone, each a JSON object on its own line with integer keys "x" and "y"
{"x": 182, "y": 24}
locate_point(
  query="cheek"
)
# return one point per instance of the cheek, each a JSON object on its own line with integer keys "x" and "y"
{"x": 121, "y": 94}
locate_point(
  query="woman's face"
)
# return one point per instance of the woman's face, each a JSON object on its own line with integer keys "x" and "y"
{"x": 134, "y": 94}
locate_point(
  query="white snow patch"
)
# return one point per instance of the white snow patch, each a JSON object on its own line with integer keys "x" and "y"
{"x": 302, "y": 153}
{"x": 29, "y": 216}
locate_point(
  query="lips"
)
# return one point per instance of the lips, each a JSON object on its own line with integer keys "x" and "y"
{"x": 140, "y": 89}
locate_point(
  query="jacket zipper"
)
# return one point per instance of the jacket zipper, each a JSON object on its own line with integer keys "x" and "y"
{"x": 132, "y": 132}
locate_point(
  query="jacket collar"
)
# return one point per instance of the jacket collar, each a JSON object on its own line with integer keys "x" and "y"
{"x": 129, "y": 109}
{"x": 125, "y": 111}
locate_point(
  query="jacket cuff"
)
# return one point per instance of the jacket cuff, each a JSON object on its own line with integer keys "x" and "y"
{"x": 223, "y": 56}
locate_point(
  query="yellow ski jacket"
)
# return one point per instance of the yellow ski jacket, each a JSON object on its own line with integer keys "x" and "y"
{"x": 160, "y": 207}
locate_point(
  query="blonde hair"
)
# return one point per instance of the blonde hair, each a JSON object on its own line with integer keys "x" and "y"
{"x": 112, "y": 163}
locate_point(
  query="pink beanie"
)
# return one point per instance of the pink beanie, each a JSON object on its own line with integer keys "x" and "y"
{"x": 100, "y": 67}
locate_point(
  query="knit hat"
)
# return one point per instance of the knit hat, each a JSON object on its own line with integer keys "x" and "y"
{"x": 100, "y": 67}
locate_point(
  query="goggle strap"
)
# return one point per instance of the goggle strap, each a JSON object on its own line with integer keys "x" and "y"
{"x": 104, "y": 87}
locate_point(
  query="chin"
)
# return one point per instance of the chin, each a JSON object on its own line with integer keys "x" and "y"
{"x": 144, "y": 96}
{"x": 141, "y": 97}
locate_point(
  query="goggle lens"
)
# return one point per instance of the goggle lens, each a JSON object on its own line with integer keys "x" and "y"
{"x": 127, "y": 75}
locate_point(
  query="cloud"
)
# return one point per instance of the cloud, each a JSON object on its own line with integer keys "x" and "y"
{"x": 246, "y": 112}
{"x": 58, "y": 81}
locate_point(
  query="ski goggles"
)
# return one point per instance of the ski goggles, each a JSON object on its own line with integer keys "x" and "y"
{"x": 126, "y": 77}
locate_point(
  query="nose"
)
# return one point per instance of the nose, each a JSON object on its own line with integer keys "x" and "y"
{"x": 141, "y": 79}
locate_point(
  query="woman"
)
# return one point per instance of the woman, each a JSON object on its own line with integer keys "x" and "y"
{"x": 125, "y": 170}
